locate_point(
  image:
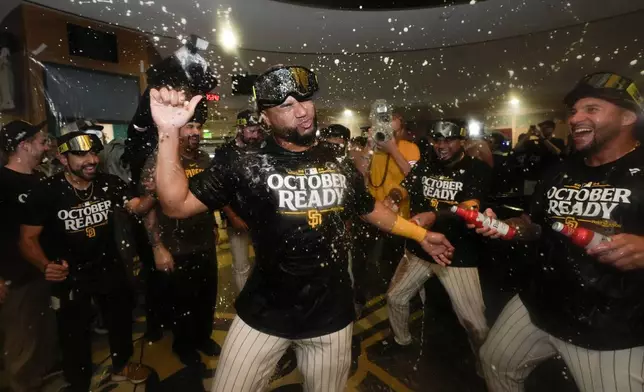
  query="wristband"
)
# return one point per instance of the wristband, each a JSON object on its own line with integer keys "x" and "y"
{"x": 405, "y": 228}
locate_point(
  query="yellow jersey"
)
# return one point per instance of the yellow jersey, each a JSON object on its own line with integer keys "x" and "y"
{"x": 385, "y": 175}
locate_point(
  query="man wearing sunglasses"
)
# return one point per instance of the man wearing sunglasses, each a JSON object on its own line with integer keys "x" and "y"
{"x": 295, "y": 196}
{"x": 453, "y": 178}
{"x": 586, "y": 305}
{"x": 69, "y": 234}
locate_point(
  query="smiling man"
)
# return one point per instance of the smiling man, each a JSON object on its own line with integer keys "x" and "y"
{"x": 454, "y": 178}
{"x": 585, "y": 305}
{"x": 295, "y": 196}
{"x": 68, "y": 233}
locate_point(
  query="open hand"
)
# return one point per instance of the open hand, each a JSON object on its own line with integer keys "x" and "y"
{"x": 169, "y": 108}
{"x": 436, "y": 245}
{"x": 623, "y": 251}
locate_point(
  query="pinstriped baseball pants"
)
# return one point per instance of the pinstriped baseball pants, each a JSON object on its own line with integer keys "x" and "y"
{"x": 463, "y": 288}
{"x": 515, "y": 346}
{"x": 249, "y": 358}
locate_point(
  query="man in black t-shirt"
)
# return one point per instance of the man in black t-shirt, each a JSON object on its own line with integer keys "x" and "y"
{"x": 585, "y": 305}
{"x": 185, "y": 254}
{"x": 536, "y": 152}
{"x": 27, "y": 322}
{"x": 295, "y": 196}
{"x": 249, "y": 136}
{"x": 68, "y": 233}
{"x": 452, "y": 179}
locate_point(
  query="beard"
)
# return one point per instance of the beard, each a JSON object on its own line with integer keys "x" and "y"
{"x": 293, "y": 136}
{"x": 251, "y": 142}
{"x": 81, "y": 174}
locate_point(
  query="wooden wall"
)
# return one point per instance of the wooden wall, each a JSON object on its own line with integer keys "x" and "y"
{"x": 49, "y": 27}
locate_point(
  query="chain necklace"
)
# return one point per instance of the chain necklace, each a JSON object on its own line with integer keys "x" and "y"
{"x": 637, "y": 144}
{"x": 91, "y": 188}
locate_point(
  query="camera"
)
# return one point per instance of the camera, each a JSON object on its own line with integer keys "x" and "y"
{"x": 380, "y": 117}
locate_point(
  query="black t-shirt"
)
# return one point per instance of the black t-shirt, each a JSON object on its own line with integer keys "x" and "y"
{"x": 433, "y": 187}
{"x": 225, "y": 156}
{"x": 14, "y": 190}
{"x": 191, "y": 235}
{"x": 295, "y": 204}
{"x": 78, "y": 226}
{"x": 572, "y": 295}
{"x": 536, "y": 157}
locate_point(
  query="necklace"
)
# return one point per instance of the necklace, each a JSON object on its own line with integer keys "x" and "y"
{"x": 637, "y": 144}
{"x": 91, "y": 190}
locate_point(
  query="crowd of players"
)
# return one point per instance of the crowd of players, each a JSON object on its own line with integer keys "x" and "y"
{"x": 320, "y": 209}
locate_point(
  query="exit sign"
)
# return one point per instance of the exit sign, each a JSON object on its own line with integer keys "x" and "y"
{"x": 212, "y": 97}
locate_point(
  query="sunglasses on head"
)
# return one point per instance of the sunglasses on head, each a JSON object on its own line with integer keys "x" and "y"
{"x": 273, "y": 87}
{"x": 81, "y": 145}
{"x": 615, "y": 82}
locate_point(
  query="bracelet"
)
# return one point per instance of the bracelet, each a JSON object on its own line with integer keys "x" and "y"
{"x": 405, "y": 228}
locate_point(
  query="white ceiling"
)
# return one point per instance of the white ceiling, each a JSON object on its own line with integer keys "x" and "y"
{"x": 274, "y": 26}
{"x": 528, "y": 53}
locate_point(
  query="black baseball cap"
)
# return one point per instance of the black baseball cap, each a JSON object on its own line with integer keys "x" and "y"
{"x": 610, "y": 87}
{"x": 17, "y": 131}
{"x": 247, "y": 118}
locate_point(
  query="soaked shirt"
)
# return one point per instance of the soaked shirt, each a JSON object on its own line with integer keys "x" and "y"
{"x": 15, "y": 188}
{"x": 78, "y": 225}
{"x": 433, "y": 187}
{"x": 295, "y": 204}
{"x": 572, "y": 295}
{"x": 191, "y": 235}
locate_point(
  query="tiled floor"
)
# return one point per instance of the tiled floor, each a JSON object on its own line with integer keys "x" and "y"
{"x": 439, "y": 360}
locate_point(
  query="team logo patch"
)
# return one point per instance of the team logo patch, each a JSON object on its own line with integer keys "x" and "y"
{"x": 315, "y": 218}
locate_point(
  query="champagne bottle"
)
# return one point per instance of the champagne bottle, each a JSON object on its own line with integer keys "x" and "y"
{"x": 580, "y": 236}
{"x": 480, "y": 220}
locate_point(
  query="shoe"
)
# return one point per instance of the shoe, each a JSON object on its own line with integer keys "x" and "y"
{"x": 136, "y": 373}
{"x": 210, "y": 348}
{"x": 188, "y": 357}
{"x": 391, "y": 349}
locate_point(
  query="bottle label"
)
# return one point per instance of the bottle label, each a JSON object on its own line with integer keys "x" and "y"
{"x": 597, "y": 239}
{"x": 498, "y": 225}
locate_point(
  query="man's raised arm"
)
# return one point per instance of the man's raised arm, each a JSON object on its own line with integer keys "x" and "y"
{"x": 170, "y": 111}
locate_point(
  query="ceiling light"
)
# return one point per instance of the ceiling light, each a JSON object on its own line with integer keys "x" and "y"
{"x": 348, "y": 113}
{"x": 228, "y": 39}
{"x": 515, "y": 102}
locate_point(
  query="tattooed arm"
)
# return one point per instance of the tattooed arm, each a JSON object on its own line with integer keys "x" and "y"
{"x": 163, "y": 259}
